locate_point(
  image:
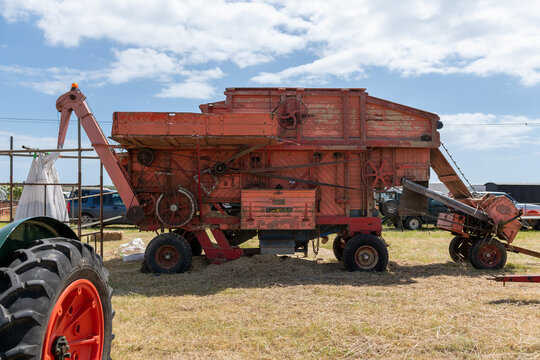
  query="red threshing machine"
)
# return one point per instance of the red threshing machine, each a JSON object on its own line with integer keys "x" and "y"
{"x": 287, "y": 165}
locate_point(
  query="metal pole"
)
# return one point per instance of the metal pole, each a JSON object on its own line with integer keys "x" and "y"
{"x": 11, "y": 179}
{"x": 79, "y": 178}
{"x": 101, "y": 208}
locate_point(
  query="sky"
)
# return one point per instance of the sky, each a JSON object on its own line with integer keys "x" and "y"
{"x": 474, "y": 63}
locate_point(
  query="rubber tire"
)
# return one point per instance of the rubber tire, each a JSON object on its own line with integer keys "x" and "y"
{"x": 86, "y": 218}
{"x": 389, "y": 208}
{"x": 474, "y": 252}
{"x": 31, "y": 285}
{"x": 360, "y": 240}
{"x": 173, "y": 239}
{"x": 409, "y": 223}
{"x": 337, "y": 247}
{"x": 454, "y": 249}
{"x": 191, "y": 238}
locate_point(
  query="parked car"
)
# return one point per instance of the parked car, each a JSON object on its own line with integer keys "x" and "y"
{"x": 389, "y": 204}
{"x": 113, "y": 206}
{"x": 531, "y": 212}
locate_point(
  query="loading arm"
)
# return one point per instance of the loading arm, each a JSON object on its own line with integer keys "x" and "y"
{"x": 74, "y": 100}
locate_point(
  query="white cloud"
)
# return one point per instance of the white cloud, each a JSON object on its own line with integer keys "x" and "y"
{"x": 344, "y": 38}
{"x": 478, "y": 131}
{"x": 195, "y": 87}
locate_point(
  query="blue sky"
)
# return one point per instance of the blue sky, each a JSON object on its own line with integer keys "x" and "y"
{"x": 474, "y": 63}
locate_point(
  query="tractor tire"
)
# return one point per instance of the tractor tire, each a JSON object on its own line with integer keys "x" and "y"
{"x": 86, "y": 218}
{"x": 459, "y": 249}
{"x": 191, "y": 238}
{"x": 389, "y": 208}
{"x": 365, "y": 252}
{"x": 412, "y": 223}
{"x": 337, "y": 246}
{"x": 168, "y": 253}
{"x": 487, "y": 254}
{"x": 54, "y": 293}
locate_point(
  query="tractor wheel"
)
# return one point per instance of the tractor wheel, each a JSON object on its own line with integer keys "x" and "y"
{"x": 55, "y": 303}
{"x": 365, "y": 252}
{"x": 338, "y": 246}
{"x": 389, "y": 208}
{"x": 168, "y": 253}
{"x": 459, "y": 249}
{"x": 191, "y": 238}
{"x": 487, "y": 254}
{"x": 413, "y": 223}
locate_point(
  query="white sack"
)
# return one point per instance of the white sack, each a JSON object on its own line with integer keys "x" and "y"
{"x": 33, "y": 197}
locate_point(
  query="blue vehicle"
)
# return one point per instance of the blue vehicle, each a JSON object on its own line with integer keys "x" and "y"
{"x": 113, "y": 206}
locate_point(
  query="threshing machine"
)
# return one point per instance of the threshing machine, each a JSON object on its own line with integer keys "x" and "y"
{"x": 285, "y": 164}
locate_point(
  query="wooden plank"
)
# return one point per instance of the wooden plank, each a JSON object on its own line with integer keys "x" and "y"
{"x": 442, "y": 167}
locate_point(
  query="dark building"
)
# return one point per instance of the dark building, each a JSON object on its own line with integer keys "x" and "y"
{"x": 523, "y": 193}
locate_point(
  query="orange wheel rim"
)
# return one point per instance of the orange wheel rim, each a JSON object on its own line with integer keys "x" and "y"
{"x": 78, "y": 317}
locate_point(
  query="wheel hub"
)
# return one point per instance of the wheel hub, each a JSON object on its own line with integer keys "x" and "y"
{"x": 174, "y": 207}
{"x": 60, "y": 348}
{"x": 366, "y": 257}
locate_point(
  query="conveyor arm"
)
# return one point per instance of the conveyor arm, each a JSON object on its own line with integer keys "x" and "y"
{"x": 74, "y": 101}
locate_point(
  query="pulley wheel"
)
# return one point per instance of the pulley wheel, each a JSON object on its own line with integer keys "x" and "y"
{"x": 145, "y": 156}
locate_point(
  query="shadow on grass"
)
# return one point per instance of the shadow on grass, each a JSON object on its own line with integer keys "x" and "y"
{"x": 516, "y": 302}
{"x": 267, "y": 272}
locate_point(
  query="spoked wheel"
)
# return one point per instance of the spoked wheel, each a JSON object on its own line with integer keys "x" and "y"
{"x": 487, "y": 254}
{"x": 55, "y": 303}
{"x": 378, "y": 175}
{"x": 459, "y": 249}
{"x": 365, "y": 253}
{"x": 337, "y": 247}
{"x": 175, "y": 208}
{"x": 168, "y": 253}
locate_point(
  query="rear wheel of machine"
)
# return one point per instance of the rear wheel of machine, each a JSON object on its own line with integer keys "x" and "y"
{"x": 413, "y": 223}
{"x": 338, "y": 246}
{"x": 168, "y": 253}
{"x": 191, "y": 238}
{"x": 459, "y": 249}
{"x": 55, "y": 297}
{"x": 365, "y": 252}
{"x": 487, "y": 254}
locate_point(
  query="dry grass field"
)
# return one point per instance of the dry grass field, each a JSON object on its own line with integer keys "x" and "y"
{"x": 270, "y": 307}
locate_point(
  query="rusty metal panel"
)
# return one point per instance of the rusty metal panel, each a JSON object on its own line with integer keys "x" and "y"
{"x": 278, "y": 209}
{"x": 447, "y": 175}
{"x": 451, "y": 222}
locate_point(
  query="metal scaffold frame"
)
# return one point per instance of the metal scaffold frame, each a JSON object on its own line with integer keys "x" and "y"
{"x": 30, "y": 152}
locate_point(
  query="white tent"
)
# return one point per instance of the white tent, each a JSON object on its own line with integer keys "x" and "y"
{"x": 39, "y": 200}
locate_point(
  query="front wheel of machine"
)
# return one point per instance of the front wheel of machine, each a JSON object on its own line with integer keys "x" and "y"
{"x": 55, "y": 296}
{"x": 168, "y": 253}
{"x": 459, "y": 249}
{"x": 365, "y": 253}
{"x": 487, "y": 254}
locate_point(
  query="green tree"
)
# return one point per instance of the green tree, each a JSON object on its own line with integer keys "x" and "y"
{"x": 4, "y": 192}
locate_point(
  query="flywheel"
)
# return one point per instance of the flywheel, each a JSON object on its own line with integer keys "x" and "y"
{"x": 175, "y": 208}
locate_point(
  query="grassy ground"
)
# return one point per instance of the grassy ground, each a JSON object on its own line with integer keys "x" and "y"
{"x": 268, "y": 307}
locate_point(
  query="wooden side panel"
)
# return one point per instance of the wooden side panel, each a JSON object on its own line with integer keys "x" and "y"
{"x": 278, "y": 209}
{"x": 412, "y": 164}
{"x": 384, "y": 123}
{"x": 173, "y": 129}
{"x": 326, "y": 117}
